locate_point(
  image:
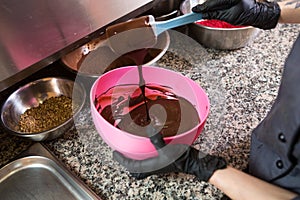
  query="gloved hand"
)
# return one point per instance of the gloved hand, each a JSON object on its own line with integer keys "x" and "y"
{"x": 172, "y": 158}
{"x": 264, "y": 15}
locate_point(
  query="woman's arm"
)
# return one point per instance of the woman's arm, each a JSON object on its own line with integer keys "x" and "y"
{"x": 239, "y": 185}
{"x": 290, "y": 11}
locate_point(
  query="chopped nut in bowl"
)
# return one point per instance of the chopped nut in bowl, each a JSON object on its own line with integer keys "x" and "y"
{"x": 43, "y": 109}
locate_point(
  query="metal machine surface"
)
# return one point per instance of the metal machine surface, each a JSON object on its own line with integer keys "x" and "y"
{"x": 35, "y": 33}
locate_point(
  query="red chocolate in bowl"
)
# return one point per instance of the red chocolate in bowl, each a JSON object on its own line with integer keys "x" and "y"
{"x": 217, "y": 24}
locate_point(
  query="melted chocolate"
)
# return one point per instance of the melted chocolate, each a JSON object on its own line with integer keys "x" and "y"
{"x": 126, "y": 60}
{"x": 169, "y": 113}
{"x": 131, "y": 35}
{"x": 133, "y": 107}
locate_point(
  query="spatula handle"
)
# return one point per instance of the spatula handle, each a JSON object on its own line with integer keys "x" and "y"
{"x": 162, "y": 26}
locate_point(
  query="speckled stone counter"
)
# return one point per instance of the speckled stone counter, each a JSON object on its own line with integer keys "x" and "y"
{"x": 241, "y": 85}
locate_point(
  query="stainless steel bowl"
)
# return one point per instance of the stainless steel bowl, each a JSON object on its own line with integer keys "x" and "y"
{"x": 99, "y": 60}
{"x": 31, "y": 95}
{"x": 218, "y": 38}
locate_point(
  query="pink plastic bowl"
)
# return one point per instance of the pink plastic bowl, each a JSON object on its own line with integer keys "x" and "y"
{"x": 137, "y": 147}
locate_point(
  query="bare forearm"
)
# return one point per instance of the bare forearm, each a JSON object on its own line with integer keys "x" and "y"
{"x": 290, "y": 11}
{"x": 239, "y": 185}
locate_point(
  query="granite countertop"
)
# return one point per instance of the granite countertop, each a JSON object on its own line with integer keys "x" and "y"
{"x": 241, "y": 85}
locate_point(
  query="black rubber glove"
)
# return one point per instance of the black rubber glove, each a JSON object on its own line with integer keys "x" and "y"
{"x": 188, "y": 160}
{"x": 264, "y": 15}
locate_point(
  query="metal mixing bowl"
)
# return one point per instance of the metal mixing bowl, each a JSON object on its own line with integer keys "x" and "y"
{"x": 34, "y": 93}
{"x": 102, "y": 59}
{"x": 218, "y": 38}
